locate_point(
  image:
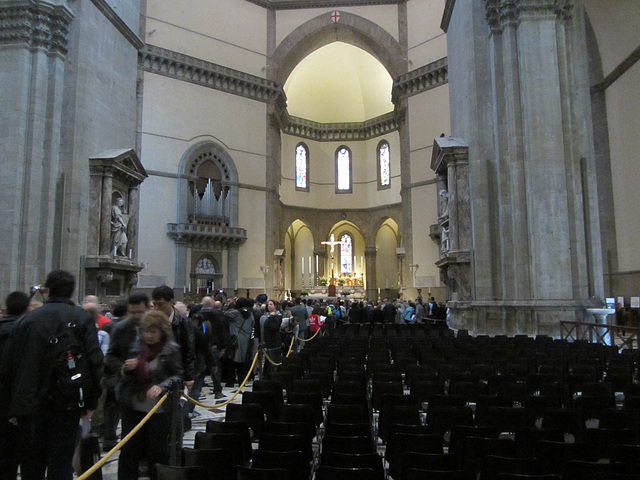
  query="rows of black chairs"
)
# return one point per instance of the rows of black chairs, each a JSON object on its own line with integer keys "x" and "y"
{"x": 410, "y": 404}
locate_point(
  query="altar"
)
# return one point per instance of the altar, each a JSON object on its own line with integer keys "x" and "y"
{"x": 355, "y": 292}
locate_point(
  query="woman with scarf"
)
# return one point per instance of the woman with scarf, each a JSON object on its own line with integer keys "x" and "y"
{"x": 154, "y": 365}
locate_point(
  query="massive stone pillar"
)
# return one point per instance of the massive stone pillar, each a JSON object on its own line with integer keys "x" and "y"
{"x": 34, "y": 44}
{"x": 520, "y": 100}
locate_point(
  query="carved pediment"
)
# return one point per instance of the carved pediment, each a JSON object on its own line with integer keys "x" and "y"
{"x": 119, "y": 161}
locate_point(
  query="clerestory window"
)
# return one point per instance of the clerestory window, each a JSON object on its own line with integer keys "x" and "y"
{"x": 302, "y": 167}
{"x": 343, "y": 170}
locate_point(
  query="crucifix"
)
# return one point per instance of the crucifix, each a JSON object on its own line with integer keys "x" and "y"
{"x": 332, "y": 243}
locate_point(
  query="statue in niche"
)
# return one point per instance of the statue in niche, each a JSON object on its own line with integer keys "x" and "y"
{"x": 444, "y": 203}
{"x": 119, "y": 221}
{"x": 444, "y": 242}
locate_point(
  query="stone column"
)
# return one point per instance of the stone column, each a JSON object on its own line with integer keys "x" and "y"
{"x": 105, "y": 211}
{"x": 182, "y": 247}
{"x": 132, "y": 230}
{"x": 34, "y": 45}
{"x": 458, "y": 207}
{"x": 514, "y": 269}
{"x": 372, "y": 281}
{"x": 232, "y": 267}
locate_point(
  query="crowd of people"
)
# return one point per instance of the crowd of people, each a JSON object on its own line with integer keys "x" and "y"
{"x": 135, "y": 353}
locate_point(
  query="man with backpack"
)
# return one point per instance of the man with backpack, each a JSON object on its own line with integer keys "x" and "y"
{"x": 52, "y": 366}
{"x": 17, "y": 304}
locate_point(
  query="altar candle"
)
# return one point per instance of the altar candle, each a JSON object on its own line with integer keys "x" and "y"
{"x": 310, "y": 267}
{"x": 316, "y": 263}
{"x": 302, "y": 264}
{"x": 387, "y": 283}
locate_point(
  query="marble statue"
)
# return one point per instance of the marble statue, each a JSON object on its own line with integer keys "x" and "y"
{"x": 119, "y": 222}
{"x": 444, "y": 203}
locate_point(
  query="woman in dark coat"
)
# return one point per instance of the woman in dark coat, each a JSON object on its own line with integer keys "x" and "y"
{"x": 271, "y": 324}
{"x": 155, "y": 364}
{"x": 241, "y": 324}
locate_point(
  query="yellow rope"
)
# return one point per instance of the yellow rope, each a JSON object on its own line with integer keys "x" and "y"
{"x": 271, "y": 361}
{"x": 309, "y": 339}
{"x": 222, "y": 404}
{"x": 291, "y": 345}
{"x": 135, "y": 429}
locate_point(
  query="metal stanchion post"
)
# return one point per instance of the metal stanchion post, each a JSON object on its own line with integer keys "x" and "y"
{"x": 176, "y": 416}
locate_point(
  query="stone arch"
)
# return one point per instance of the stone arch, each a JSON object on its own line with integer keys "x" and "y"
{"x": 193, "y": 158}
{"x": 320, "y": 31}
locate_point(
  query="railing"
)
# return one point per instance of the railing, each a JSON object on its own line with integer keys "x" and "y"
{"x": 621, "y": 336}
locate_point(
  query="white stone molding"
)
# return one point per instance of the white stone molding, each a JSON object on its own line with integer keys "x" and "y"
{"x": 333, "y": 132}
{"x": 35, "y": 24}
{"x": 207, "y": 74}
{"x": 432, "y": 75}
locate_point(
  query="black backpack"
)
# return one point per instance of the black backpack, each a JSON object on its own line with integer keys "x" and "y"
{"x": 70, "y": 381}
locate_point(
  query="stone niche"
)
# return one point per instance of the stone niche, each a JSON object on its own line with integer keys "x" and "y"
{"x": 450, "y": 163}
{"x": 110, "y": 266}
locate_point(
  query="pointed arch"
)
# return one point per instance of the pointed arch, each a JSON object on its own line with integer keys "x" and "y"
{"x": 320, "y": 31}
{"x": 191, "y": 164}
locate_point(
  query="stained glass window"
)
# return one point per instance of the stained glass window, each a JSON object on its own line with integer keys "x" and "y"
{"x": 346, "y": 254}
{"x": 384, "y": 164}
{"x": 302, "y": 167}
{"x": 343, "y": 169}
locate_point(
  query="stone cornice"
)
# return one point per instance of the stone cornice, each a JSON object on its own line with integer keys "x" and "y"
{"x": 420, "y": 80}
{"x": 35, "y": 24}
{"x": 206, "y": 235}
{"x": 337, "y": 132}
{"x": 117, "y": 22}
{"x": 194, "y": 70}
{"x": 500, "y": 13}
{"x": 297, "y": 4}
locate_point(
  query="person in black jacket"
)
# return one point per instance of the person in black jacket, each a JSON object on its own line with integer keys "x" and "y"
{"x": 124, "y": 333}
{"x": 17, "y": 304}
{"x": 184, "y": 336}
{"x": 212, "y": 312}
{"x": 162, "y": 298}
{"x": 46, "y": 434}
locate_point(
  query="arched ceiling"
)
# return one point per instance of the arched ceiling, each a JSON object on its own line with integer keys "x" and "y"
{"x": 339, "y": 83}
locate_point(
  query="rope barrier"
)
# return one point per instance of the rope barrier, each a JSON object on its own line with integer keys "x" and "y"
{"x": 235, "y": 394}
{"x": 135, "y": 429}
{"x": 271, "y": 361}
{"x": 293, "y": 339}
{"x": 309, "y": 339}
